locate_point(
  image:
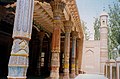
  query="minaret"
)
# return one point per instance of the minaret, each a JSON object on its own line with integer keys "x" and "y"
{"x": 103, "y": 41}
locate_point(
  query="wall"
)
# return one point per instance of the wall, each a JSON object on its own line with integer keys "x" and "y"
{"x": 91, "y": 57}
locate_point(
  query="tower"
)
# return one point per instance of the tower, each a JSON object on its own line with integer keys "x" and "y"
{"x": 103, "y": 41}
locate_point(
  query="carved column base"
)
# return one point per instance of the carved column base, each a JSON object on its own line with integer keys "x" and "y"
{"x": 18, "y": 63}
{"x": 76, "y": 68}
{"x": 54, "y": 72}
{"x": 17, "y": 67}
{"x": 54, "y": 75}
{"x": 66, "y": 75}
{"x": 66, "y": 70}
{"x": 72, "y": 75}
{"x": 16, "y": 77}
{"x": 55, "y": 64}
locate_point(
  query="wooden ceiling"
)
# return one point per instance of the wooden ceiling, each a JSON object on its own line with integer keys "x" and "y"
{"x": 43, "y": 15}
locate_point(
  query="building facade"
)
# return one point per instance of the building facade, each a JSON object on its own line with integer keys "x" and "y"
{"x": 95, "y": 52}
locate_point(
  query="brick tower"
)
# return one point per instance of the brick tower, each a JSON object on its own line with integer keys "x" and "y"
{"x": 103, "y": 41}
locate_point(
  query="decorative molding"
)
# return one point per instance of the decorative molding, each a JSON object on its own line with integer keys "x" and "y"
{"x": 68, "y": 26}
{"x": 57, "y": 8}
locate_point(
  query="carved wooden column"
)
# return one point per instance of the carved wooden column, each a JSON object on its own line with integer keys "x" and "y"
{"x": 41, "y": 36}
{"x": 18, "y": 62}
{"x": 77, "y": 55}
{"x": 74, "y": 36}
{"x": 76, "y": 67}
{"x": 80, "y": 50}
{"x": 57, "y": 7}
{"x": 67, "y": 26}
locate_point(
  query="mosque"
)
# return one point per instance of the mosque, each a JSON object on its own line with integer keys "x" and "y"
{"x": 45, "y": 39}
{"x": 42, "y": 38}
{"x": 95, "y": 52}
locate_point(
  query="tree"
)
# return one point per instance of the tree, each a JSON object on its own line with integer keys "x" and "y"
{"x": 114, "y": 27}
{"x": 86, "y": 31}
{"x": 97, "y": 29}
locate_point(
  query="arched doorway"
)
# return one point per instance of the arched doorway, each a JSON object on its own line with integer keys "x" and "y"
{"x": 90, "y": 61}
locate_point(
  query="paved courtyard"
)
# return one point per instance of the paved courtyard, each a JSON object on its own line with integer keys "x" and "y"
{"x": 90, "y": 76}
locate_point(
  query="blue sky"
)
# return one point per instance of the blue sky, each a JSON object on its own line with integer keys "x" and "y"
{"x": 88, "y": 9}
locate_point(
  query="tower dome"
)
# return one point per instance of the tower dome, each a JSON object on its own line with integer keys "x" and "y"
{"x": 104, "y": 14}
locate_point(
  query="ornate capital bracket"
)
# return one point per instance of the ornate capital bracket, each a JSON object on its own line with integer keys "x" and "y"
{"x": 78, "y": 39}
{"x": 74, "y": 34}
{"x": 57, "y": 7}
{"x": 41, "y": 34}
{"x": 68, "y": 26}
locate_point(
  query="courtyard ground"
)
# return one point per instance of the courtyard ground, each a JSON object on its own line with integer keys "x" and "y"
{"x": 90, "y": 76}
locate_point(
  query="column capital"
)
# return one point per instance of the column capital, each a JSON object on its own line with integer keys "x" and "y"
{"x": 41, "y": 34}
{"x": 68, "y": 26}
{"x": 78, "y": 39}
{"x": 74, "y": 34}
{"x": 57, "y": 7}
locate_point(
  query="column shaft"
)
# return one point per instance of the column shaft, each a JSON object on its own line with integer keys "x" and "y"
{"x": 106, "y": 70}
{"x": 18, "y": 62}
{"x": 77, "y": 56}
{"x": 117, "y": 69}
{"x": 55, "y": 61}
{"x": 67, "y": 25}
{"x": 74, "y": 35}
{"x": 57, "y": 7}
{"x": 110, "y": 71}
{"x": 66, "y": 55}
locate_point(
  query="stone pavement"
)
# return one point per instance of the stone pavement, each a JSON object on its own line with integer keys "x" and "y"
{"x": 90, "y": 76}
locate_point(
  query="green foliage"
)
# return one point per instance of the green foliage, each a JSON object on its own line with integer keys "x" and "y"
{"x": 86, "y": 31}
{"x": 114, "y": 28}
{"x": 97, "y": 29}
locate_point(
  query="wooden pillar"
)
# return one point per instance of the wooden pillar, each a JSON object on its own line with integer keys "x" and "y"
{"x": 76, "y": 67}
{"x": 111, "y": 63}
{"x": 18, "y": 62}
{"x": 67, "y": 26}
{"x": 118, "y": 67}
{"x": 118, "y": 72}
{"x": 41, "y": 36}
{"x": 77, "y": 56}
{"x": 106, "y": 71}
{"x": 110, "y": 70}
{"x": 80, "y": 50}
{"x": 74, "y": 36}
{"x": 57, "y": 7}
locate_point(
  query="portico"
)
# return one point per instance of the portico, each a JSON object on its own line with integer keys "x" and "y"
{"x": 50, "y": 19}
